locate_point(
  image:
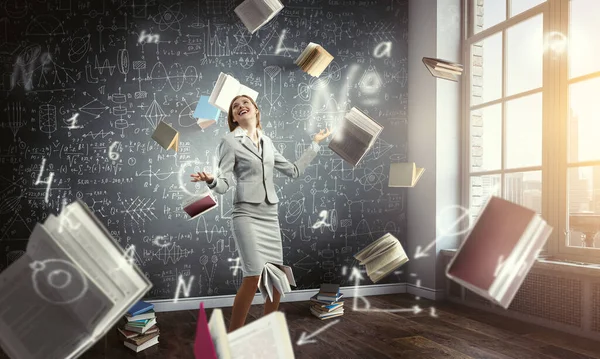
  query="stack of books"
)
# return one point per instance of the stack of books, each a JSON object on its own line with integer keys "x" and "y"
{"x": 382, "y": 257}
{"x": 327, "y": 304}
{"x": 499, "y": 251}
{"x": 140, "y": 331}
{"x": 264, "y": 338}
{"x": 443, "y": 69}
{"x": 314, "y": 59}
{"x": 226, "y": 88}
{"x": 93, "y": 289}
{"x": 355, "y": 137}
{"x": 256, "y": 13}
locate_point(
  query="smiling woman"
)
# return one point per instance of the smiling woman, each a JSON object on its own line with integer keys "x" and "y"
{"x": 249, "y": 156}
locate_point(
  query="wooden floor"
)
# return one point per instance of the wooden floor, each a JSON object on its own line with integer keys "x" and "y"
{"x": 456, "y": 332}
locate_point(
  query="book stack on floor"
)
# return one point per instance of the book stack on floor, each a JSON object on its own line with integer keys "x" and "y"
{"x": 140, "y": 331}
{"x": 327, "y": 304}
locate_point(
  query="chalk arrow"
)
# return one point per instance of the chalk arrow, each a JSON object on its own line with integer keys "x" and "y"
{"x": 305, "y": 339}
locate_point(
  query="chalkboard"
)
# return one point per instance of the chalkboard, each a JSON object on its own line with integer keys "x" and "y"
{"x": 84, "y": 84}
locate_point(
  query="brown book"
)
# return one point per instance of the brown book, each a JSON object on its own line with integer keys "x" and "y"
{"x": 128, "y": 334}
{"x": 443, "y": 69}
{"x": 137, "y": 341}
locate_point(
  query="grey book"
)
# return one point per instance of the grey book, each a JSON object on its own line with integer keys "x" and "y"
{"x": 166, "y": 136}
{"x": 382, "y": 257}
{"x": 71, "y": 286}
{"x": 355, "y": 136}
{"x": 254, "y": 14}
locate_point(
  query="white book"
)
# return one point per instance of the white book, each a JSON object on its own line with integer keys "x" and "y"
{"x": 265, "y": 338}
{"x": 218, "y": 334}
{"x": 499, "y": 250}
{"x": 404, "y": 174}
{"x": 70, "y": 287}
{"x": 314, "y": 59}
{"x": 355, "y": 136}
{"x": 382, "y": 257}
{"x": 254, "y": 14}
{"x": 276, "y": 276}
{"x": 226, "y": 88}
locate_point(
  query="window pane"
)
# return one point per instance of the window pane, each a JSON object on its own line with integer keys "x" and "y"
{"x": 584, "y": 47}
{"x": 486, "y": 139}
{"x": 584, "y": 121}
{"x": 482, "y": 187}
{"x": 488, "y": 13}
{"x": 486, "y": 69}
{"x": 524, "y": 131}
{"x": 518, "y": 6}
{"x": 584, "y": 206}
{"x": 524, "y": 188}
{"x": 524, "y": 55}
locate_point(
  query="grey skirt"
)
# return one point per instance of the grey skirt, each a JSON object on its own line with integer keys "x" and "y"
{"x": 257, "y": 236}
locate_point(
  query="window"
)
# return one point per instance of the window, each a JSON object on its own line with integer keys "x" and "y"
{"x": 532, "y": 115}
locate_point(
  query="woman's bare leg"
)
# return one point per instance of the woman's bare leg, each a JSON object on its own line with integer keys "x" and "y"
{"x": 243, "y": 300}
{"x": 271, "y": 306}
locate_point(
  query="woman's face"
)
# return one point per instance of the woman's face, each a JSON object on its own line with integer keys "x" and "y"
{"x": 244, "y": 112}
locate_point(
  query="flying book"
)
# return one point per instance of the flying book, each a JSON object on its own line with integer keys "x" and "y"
{"x": 226, "y": 88}
{"x": 200, "y": 204}
{"x": 382, "y": 257}
{"x": 206, "y": 113}
{"x": 70, "y": 287}
{"x": 314, "y": 59}
{"x": 204, "y": 346}
{"x": 404, "y": 174}
{"x": 499, "y": 250}
{"x": 256, "y": 13}
{"x": 264, "y": 338}
{"x": 275, "y": 276}
{"x": 166, "y": 136}
{"x": 355, "y": 137}
{"x": 443, "y": 69}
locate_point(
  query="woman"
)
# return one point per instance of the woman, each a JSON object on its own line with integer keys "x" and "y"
{"x": 249, "y": 156}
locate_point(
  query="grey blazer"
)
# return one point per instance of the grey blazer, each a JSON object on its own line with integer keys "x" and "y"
{"x": 240, "y": 159}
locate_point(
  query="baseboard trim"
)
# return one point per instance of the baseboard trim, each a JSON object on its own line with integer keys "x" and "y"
{"x": 424, "y": 292}
{"x": 168, "y": 305}
{"x": 530, "y": 319}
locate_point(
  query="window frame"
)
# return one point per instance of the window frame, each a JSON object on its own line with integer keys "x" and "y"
{"x": 555, "y": 112}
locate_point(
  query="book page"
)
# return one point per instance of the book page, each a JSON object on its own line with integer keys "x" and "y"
{"x": 265, "y": 338}
{"x": 218, "y": 334}
{"x": 48, "y": 307}
{"x": 383, "y": 259}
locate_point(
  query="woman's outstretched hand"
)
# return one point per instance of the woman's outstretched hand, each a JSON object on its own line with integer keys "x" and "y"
{"x": 321, "y": 135}
{"x": 202, "y": 176}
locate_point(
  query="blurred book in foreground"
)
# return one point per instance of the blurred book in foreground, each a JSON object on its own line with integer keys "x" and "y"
{"x": 382, "y": 257}
{"x": 443, "y": 69}
{"x": 264, "y": 338}
{"x": 226, "y": 88}
{"x": 499, "y": 250}
{"x": 355, "y": 136}
{"x": 404, "y": 174}
{"x": 314, "y": 59}
{"x": 70, "y": 287}
{"x": 254, "y": 14}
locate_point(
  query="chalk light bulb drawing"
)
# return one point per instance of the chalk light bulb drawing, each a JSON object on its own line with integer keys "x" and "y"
{"x": 556, "y": 42}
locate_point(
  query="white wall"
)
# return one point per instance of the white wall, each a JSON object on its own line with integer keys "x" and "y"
{"x": 434, "y": 129}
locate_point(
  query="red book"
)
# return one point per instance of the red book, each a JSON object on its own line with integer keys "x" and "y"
{"x": 203, "y": 345}
{"x": 199, "y": 205}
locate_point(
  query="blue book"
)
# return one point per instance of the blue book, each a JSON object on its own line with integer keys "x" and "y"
{"x": 206, "y": 113}
{"x": 140, "y": 307}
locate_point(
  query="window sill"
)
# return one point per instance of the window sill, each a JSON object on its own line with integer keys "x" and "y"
{"x": 553, "y": 265}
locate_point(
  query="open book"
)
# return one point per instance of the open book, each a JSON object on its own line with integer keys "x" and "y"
{"x": 206, "y": 113}
{"x": 166, "y": 136}
{"x": 404, "y": 174}
{"x": 70, "y": 287}
{"x": 314, "y": 59}
{"x": 275, "y": 276}
{"x": 443, "y": 69}
{"x": 256, "y": 13}
{"x": 499, "y": 250}
{"x": 200, "y": 204}
{"x": 264, "y": 338}
{"x": 355, "y": 136}
{"x": 382, "y": 257}
{"x": 226, "y": 88}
